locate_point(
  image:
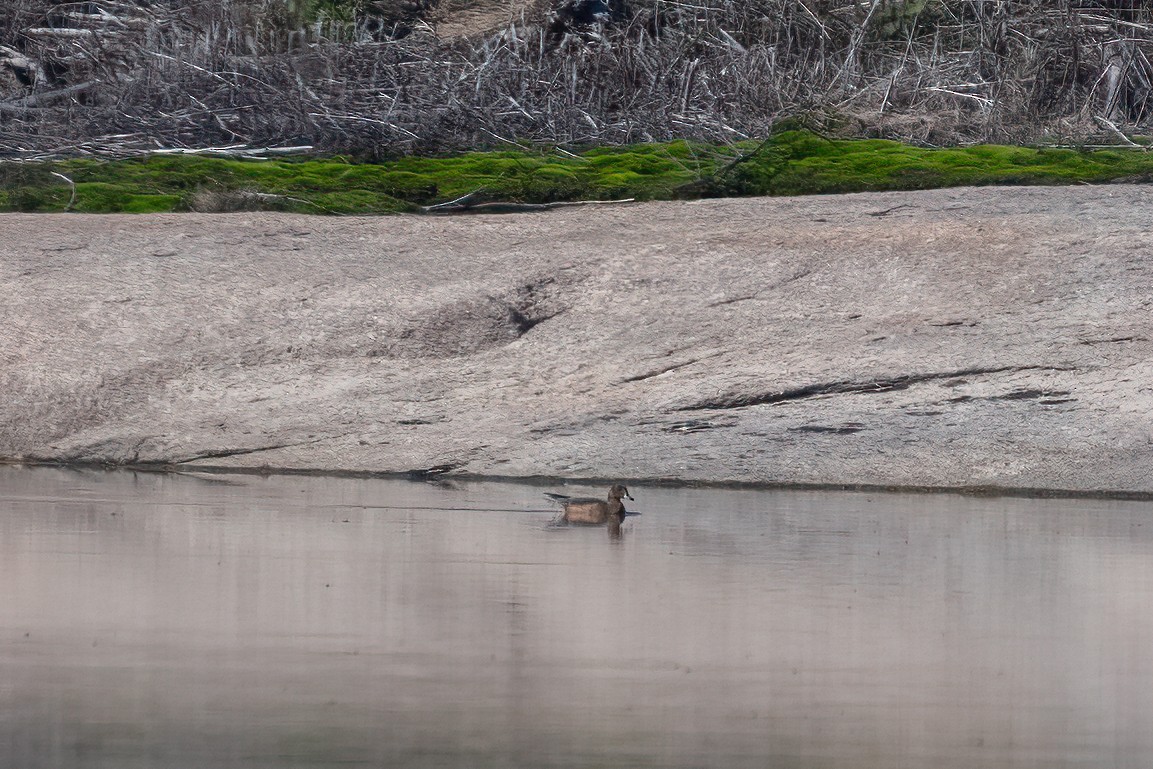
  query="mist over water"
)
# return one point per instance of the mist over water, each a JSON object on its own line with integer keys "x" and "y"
{"x": 237, "y": 621}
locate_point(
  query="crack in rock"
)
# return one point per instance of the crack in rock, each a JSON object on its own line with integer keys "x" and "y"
{"x": 665, "y": 369}
{"x": 224, "y": 453}
{"x": 694, "y": 426}
{"x": 1041, "y": 396}
{"x": 738, "y": 400}
{"x": 847, "y": 429}
{"x": 1028, "y": 394}
{"x": 804, "y": 272}
{"x": 1114, "y": 340}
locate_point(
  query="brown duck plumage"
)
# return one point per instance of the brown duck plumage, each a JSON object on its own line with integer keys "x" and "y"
{"x": 587, "y": 510}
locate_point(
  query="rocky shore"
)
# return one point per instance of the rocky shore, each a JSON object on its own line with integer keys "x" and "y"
{"x": 966, "y": 338}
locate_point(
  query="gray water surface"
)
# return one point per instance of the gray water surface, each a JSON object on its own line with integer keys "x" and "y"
{"x": 183, "y": 622}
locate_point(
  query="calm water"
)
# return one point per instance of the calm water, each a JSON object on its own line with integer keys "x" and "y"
{"x": 179, "y": 622}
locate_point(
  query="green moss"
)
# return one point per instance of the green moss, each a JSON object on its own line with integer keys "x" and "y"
{"x": 104, "y": 198}
{"x": 360, "y": 202}
{"x": 32, "y": 199}
{"x": 815, "y": 165}
{"x": 793, "y": 162}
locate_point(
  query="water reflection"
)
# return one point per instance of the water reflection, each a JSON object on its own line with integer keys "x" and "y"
{"x": 169, "y": 621}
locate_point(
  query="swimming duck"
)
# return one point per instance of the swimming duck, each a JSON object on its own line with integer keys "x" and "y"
{"x": 588, "y": 510}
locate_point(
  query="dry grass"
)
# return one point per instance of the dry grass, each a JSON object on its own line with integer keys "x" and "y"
{"x": 936, "y": 72}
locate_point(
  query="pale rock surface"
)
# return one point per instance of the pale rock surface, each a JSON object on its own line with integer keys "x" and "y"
{"x": 957, "y": 338}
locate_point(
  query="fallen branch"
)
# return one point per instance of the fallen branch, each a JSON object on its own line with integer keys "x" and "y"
{"x": 72, "y": 184}
{"x": 22, "y": 105}
{"x": 65, "y": 32}
{"x": 1110, "y": 126}
{"x": 238, "y": 151}
{"x": 464, "y": 201}
{"x": 513, "y": 208}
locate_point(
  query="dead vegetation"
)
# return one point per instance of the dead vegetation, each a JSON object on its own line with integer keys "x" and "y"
{"x": 122, "y": 77}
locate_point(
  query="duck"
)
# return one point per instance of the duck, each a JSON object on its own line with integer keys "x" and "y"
{"x": 595, "y": 511}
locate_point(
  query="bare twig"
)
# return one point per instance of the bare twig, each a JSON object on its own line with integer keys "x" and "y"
{"x": 508, "y": 207}
{"x": 71, "y": 185}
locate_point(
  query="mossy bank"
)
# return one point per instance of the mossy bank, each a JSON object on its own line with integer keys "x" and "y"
{"x": 790, "y": 163}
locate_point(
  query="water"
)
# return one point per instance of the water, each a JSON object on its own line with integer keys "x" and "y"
{"x": 183, "y": 622}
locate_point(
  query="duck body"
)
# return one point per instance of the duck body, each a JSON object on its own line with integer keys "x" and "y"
{"x": 594, "y": 511}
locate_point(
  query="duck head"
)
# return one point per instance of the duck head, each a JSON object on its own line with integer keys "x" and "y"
{"x": 619, "y": 492}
